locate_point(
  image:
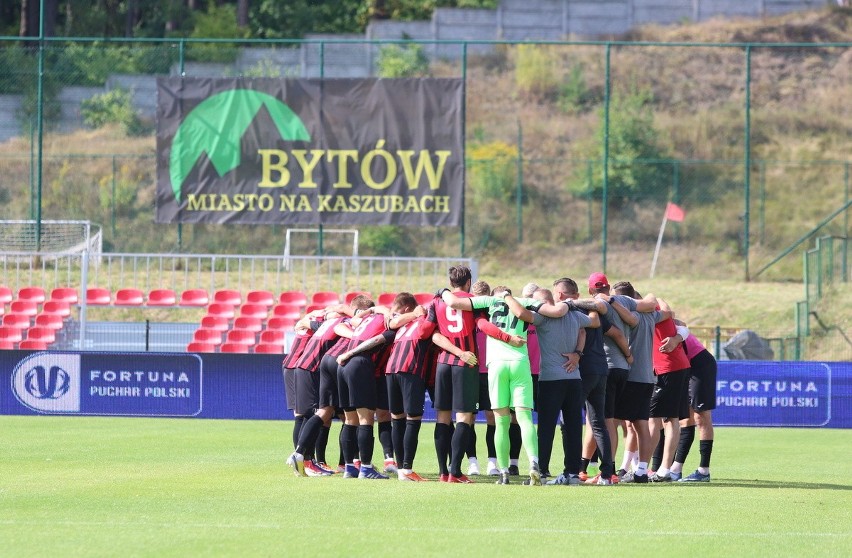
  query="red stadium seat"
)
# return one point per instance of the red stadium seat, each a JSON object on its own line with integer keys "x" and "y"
{"x": 6, "y": 295}
{"x": 245, "y": 336}
{"x": 347, "y": 298}
{"x": 33, "y": 294}
{"x": 274, "y": 336}
{"x": 6, "y": 345}
{"x": 65, "y": 294}
{"x": 277, "y": 323}
{"x": 97, "y": 296}
{"x": 129, "y": 297}
{"x": 314, "y": 308}
{"x": 53, "y": 321}
{"x": 269, "y": 348}
{"x": 198, "y": 347}
{"x": 221, "y": 310}
{"x": 233, "y": 348}
{"x": 18, "y": 321}
{"x": 254, "y": 311}
{"x": 216, "y": 322}
{"x": 10, "y": 334}
{"x": 38, "y": 333}
{"x": 325, "y": 298}
{"x": 249, "y": 323}
{"x": 211, "y": 336}
{"x": 194, "y": 297}
{"x": 162, "y": 297}
{"x": 293, "y": 297}
{"x": 285, "y": 310}
{"x": 265, "y": 298}
{"x": 33, "y": 345}
{"x": 24, "y": 307}
{"x": 386, "y": 299}
{"x": 57, "y": 307}
{"x": 423, "y": 298}
{"x": 228, "y": 296}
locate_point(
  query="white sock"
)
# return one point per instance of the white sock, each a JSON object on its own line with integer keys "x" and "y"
{"x": 473, "y": 461}
{"x": 676, "y": 467}
{"x": 663, "y": 471}
{"x": 642, "y": 468}
{"x": 513, "y": 462}
{"x": 704, "y": 470}
{"x": 628, "y": 459}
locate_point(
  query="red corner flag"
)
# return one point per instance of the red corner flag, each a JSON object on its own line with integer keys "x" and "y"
{"x": 674, "y": 212}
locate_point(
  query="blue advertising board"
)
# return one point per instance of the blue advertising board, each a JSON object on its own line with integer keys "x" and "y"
{"x": 239, "y": 386}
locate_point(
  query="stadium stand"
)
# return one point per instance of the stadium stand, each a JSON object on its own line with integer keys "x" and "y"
{"x": 325, "y": 298}
{"x": 347, "y": 298}
{"x": 6, "y": 295}
{"x": 269, "y": 348}
{"x": 24, "y": 307}
{"x": 199, "y": 347}
{"x": 162, "y": 297}
{"x": 43, "y": 334}
{"x": 10, "y": 334}
{"x": 249, "y": 323}
{"x": 273, "y": 337}
{"x": 211, "y": 336}
{"x": 286, "y": 310}
{"x": 281, "y": 323}
{"x": 215, "y": 322}
{"x": 53, "y": 321}
{"x": 65, "y": 294}
{"x": 32, "y": 345}
{"x": 386, "y": 299}
{"x": 194, "y": 297}
{"x": 423, "y": 298}
{"x": 222, "y": 310}
{"x": 244, "y": 336}
{"x": 32, "y": 294}
{"x": 314, "y": 307}
{"x": 57, "y": 307}
{"x": 228, "y": 296}
{"x": 17, "y": 321}
{"x": 6, "y": 345}
{"x": 233, "y": 348}
{"x": 254, "y": 311}
{"x": 98, "y": 296}
{"x": 129, "y": 297}
{"x": 265, "y": 298}
{"x": 298, "y": 298}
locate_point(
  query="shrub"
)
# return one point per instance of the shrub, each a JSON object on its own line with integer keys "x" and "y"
{"x": 112, "y": 107}
{"x": 537, "y": 70}
{"x": 397, "y": 61}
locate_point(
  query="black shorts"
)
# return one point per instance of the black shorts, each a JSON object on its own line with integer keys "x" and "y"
{"x": 356, "y": 383}
{"x": 615, "y": 383}
{"x": 382, "y": 401}
{"x": 635, "y": 401}
{"x": 307, "y": 387}
{"x": 289, "y": 387}
{"x": 668, "y": 392}
{"x": 484, "y": 396}
{"x": 456, "y": 388}
{"x": 327, "y": 396}
{"x": 406, "y": 394}
{"x": 702, "y": 382}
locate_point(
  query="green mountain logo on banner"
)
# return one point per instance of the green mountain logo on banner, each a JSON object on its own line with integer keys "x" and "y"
{"x": 216, "y": 127}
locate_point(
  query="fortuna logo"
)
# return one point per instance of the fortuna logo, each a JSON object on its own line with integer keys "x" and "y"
{"x": 44, "y": 384}
{"x": 216, "y": 127}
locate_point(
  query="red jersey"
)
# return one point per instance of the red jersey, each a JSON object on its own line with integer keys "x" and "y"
{"x": 459, "y": 326}
{"x": 413, "y": 351}
{"x": 318, "y": 344}
{"x": 370, "y": 326}
{"x": 297, "y": 347}
{"x": 668, "y": 362}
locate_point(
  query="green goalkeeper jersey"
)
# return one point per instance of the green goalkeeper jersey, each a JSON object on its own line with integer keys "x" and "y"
{"x": 500, "y": 315}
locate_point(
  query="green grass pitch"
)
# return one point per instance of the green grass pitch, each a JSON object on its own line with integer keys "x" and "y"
{"x": 78, "y": 486}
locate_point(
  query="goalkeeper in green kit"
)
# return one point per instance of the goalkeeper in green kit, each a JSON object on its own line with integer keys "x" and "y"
{"x": 509, "y": 375}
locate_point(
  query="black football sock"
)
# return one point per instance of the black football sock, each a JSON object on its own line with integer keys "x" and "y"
{"x": 366, "y": 443}
{"x": 442, "y": 446}
{"x": 412, "y": 435}
{"x": 515, "y": 441}
{"x": 584, "y": 465}
{"x": 308, "y": 435}
{"x": 471, "y": 442}
{"x": 386, "y": 439}
{"x": 687, "y": 437}
{"x": 489, "y": 441}
{"x": 705, "y": 448}
{"x": 657, "y": 458}
{"x": 458, "y": 444}
{"x": 322, "y": 443}
{"x": 398, "y": 435}
{"x": 298, "y": 420}
{"x": 349, "y": 442}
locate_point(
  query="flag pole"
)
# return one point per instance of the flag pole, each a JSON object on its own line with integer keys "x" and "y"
{"x": 659, "y": 243}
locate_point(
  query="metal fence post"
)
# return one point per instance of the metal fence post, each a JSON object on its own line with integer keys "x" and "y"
{"x": 605, "y": 200}
{"x": 747, "y": 159}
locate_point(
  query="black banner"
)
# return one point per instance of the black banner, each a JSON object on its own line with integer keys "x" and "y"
{"x": 310, "y": 151}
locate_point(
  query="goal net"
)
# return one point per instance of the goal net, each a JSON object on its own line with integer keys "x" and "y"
{"x": 316, "y": 242}
{"x": 63, "y": 237}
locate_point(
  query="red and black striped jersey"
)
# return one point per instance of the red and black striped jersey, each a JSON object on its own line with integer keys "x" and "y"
{"x": 459, "y": 326}
{"x": 297, "y": 347}
{"x": 370, "y": 326}
{"x": 321, "y": 341}
{"x": 413, "y": 351}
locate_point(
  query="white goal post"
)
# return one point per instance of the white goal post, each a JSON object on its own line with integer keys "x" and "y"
{"x": 288, "y": 241}
{"x": 55, "y": 237}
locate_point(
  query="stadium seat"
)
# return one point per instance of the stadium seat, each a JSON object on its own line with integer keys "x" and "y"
{"x": 32, "y": 294}
{"x": 24, "y": 307}
{"x": 386, "y": 299}
{"x": 285, "y": 310}
{"x": 249, "y": 323}
{"x": 244, "y": 336}
{"x": 162, "y": 297}
{"x": 314, "y": 308}
{"x": 274, "y": 336}
{"x": 233, "y": 348}
{"x": 220, "y": 309}
{"x": 269, "y": 348}
{"x": 98, "y": 296}
{"x": 44, "y": 334}
{"x": 17, "y": 321}
{"x": 424, "y": 298}
{"x": 6, "y": 345}
{"x": 254, "y": 311}
{"x": 65, "y": 294}
{"x": 53, "y": 321}
{"x": 199, "y": 347}
{"x": 265, "y": 298}
{"x": 57, "y": 307}
{"x": 228, "y": 296}
{"x": 293, "y": 297}
{"x": 325, "y": 298}
{"x": 194, "y": 297}
{"x": 32, "y": 345}
{"x": 10, "y": 334}
{"x": 215, "y": 322}
{"x": 347, "y": 298}
{"x": 279, "y": 323}
{"x": 6, "y": 295}
{"x": 129, "y": 297}
{"x": 203, "y": 335}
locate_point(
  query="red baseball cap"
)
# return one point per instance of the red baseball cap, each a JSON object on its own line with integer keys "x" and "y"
{"x": 598, "y": 281}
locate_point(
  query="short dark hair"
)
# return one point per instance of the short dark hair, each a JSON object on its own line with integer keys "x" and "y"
{"x": 362, "y": 302}
{"x": 405, "y": 300}
{"x": 624, "y": 288}
{"x": 568, "y": 284}
{"x": 480, "y": 288}
{"x": 499, "y": 288}
{"x": 459, "y": 275}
